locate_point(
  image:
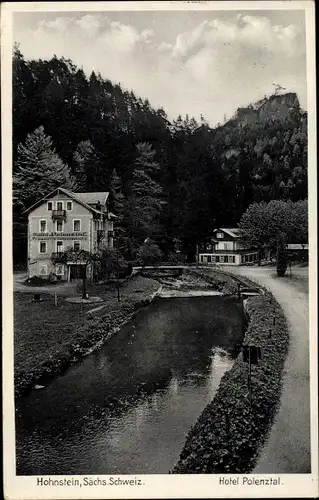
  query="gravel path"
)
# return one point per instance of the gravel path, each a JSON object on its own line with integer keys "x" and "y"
{"x": 288, "y": 447}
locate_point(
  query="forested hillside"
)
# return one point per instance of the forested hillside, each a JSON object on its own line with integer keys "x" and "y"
{"x": 170, "y": 181}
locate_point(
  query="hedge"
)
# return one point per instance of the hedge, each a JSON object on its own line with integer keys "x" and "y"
{"x": 229, "y": 433}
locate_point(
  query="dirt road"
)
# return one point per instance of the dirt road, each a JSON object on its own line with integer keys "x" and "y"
{"x": 287, "y": 449}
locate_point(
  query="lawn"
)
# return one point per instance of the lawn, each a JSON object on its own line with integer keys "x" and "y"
{"x": 45, "y": 333}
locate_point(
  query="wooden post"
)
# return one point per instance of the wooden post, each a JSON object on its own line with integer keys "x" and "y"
{"x": 82, "y": 315}
{"x": 55, "y": 299}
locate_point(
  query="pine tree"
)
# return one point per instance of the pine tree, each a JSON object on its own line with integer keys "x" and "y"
{"x": 39, "y": 169}
{"x": 80, "y": 161}
{"x": 143, "y": 206}
{"x": 117, "y": 195}
{"x": 23, "y": 105}
{"x": 86, "y": 167}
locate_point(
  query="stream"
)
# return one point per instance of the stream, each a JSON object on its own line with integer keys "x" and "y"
{"x": 128, "y": 407}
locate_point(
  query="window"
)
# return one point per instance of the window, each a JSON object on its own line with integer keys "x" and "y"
{"x": 208, "y": 247}
{"x": 43, "y": 226}
{"x": 221, "y": 259}
{"x": 59, "y": 246}
{"x": 69, "y": 205}
{"x": 220, "y": 235}
{"x": 59, "y": 269}
{"x": 76, "y": 246}
{"x": 59, "y": 226}
{"x": 231, "y": 259}
{"x": 217, "y": 258}
{"x": 226, "y": 259}
{"x": 49, "y": 205}
{"x": 43, "y": 269}
{"x": 59, "y": 206}
{"x": 76, "y": 225}
{"x": 201, "y": 258}
{"x": 209, "y": 258}
{"x": 214, "y": 258}
{"x": 43, "y": 247}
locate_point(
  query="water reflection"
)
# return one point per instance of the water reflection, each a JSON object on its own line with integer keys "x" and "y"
{"x": 128, "y": 407}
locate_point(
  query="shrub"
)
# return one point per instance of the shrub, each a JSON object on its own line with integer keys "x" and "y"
{"x": 36, "y": 281}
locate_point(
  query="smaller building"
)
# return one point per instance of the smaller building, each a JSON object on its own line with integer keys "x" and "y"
{"x": 226, "y": 248}
{"x": 298, "y": 252}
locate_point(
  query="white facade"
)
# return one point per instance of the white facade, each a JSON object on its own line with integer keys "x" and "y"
{"x": 225, "y": 248}
{"x": 62, "y": 221}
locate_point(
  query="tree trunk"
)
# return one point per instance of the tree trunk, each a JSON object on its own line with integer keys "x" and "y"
{"x": 84, "y": 287}
{"x": 84, "y": 282}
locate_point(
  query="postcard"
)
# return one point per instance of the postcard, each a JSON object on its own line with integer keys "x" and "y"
{"x": 159, "y": 250}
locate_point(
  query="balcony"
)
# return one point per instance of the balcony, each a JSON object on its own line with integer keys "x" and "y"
{"x": 100, "y": 234}
{"x": 58, "y": 256}
{"x": 59, "y": 214}
{"x": 218, "y": 252}
{"x": 227, "y": 252}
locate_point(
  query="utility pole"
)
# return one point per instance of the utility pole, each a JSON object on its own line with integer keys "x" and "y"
{"x": 118, "y": 270}
{"x": 82, "y": 312}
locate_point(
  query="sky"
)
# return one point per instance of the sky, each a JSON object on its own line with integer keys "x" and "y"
{"x": 194, "y": 62}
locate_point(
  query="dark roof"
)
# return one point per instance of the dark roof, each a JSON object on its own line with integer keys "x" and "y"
{"x": 75, "y": 196}
{"x": 234, "y": 231}
{"x": 93, "y": 198}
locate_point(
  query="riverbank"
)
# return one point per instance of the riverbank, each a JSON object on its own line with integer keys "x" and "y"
{"x": 49, "y": 338}
{"x": 192, "y": 284}
{"x": 223, "y": 283}
{"x": 229, "y": 433}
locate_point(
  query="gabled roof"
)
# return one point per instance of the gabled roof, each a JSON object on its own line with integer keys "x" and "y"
{"x": 233, "y": 232}
{"x": 73, "y": 196}
{"x": 93, "y": 198}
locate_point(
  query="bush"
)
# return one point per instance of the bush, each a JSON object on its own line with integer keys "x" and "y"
{"x": 37, "y": 281}
{"x": 149, "y": 254}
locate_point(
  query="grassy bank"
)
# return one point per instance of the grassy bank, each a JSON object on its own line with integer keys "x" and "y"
{"x": 48, "y": 338}
{"x": 229, "y": 433}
